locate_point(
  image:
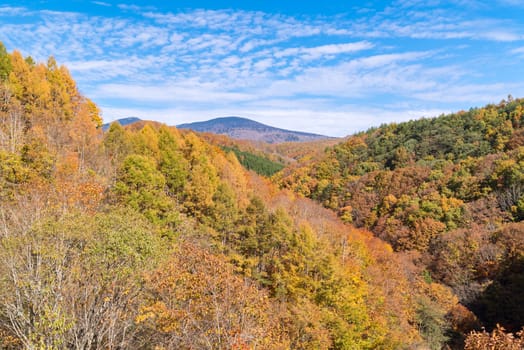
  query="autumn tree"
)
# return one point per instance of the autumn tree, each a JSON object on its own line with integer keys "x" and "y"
{"x": 172, "y": 163}
{"x": 196, "y": 301}
{"x": 141, "y": 186}
{"x": 5, "y": 63}
{"x": 496, "y": 340}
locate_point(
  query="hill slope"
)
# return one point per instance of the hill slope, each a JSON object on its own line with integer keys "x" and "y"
{"x": 246, "y": 129}
{"x": 450, "y": 189}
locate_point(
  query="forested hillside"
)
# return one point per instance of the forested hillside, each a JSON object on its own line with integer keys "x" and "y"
{"x": 149, "y": 238}
{"x": 448, "y": 192}
{"x": 264, "y": 158}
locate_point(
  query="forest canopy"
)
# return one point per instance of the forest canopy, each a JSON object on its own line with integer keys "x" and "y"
{"x": 448, "y": 190}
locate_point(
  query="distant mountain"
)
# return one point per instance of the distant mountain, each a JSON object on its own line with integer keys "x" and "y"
{"x": 247, "y": 129}
{"x": 123, "y": 122}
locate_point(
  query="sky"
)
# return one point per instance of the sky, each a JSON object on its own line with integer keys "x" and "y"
{"x": 330, "y": 67}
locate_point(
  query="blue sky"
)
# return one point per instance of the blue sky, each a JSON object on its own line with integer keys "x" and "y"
{"x": 329, "y": 67}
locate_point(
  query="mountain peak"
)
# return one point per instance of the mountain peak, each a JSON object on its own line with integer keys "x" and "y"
{"x": 122, "y": 121}
{"x": 247, "y": 129}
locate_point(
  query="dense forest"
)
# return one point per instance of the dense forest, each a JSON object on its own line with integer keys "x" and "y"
{"x": 145, "y": 237}
{"x": 260, "y": 164}
{"x": 446, "y": 192}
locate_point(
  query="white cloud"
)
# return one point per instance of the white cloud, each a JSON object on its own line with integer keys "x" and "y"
{"x": 438, "y": 20}
{"x": 101, "y": 3}
{"x": 466, "y": 93}
{"x": 518, "y": 50}
{"x": 13, "y": 11}
{"x": 186, "y": 92}
{"x": 319, "y": 51}
{"x": 132, "y": 66}
{"x": 501, "y": 35}
{"x": 135, "y": 8}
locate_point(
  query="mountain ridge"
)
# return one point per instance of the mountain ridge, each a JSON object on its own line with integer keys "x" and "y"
{"x": 247, "y": 129}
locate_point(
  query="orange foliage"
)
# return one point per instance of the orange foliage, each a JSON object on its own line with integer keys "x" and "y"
{"x": 197, "y": 300}
{"x": 496, "y": 340}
